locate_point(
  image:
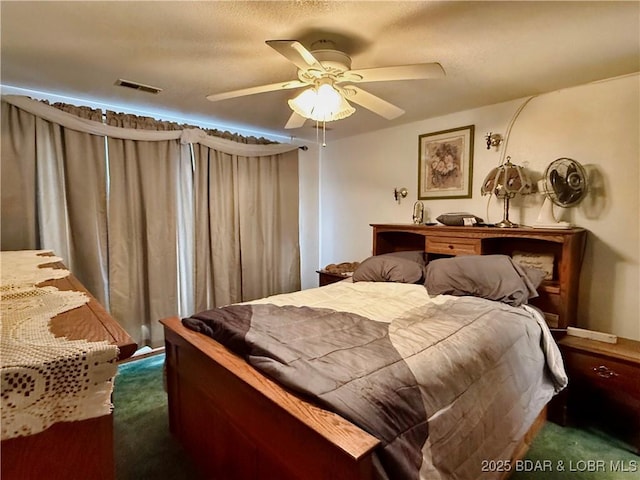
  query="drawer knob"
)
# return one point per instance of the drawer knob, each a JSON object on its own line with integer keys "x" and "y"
{"x": 604, "y": 372}
{"x": 450, "y": 247}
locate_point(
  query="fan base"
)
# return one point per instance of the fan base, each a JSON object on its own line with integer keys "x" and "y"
{"x": 546, "y": 218}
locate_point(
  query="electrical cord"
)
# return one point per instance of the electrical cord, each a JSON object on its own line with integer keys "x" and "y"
{"x": 506, "y": 143}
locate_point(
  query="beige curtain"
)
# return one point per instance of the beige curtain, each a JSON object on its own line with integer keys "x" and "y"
{"x": 268, "y": 203}
{"x": 143, "y": 209}
{"x": 18, "y": 214}
{"x": 54, "y": 193}
{"x": 218, "y": 278}
{"x": 189, "y": 227}
{"x": 246, "y": 226}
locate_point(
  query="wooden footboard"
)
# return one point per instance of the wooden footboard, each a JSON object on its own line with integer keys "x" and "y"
{"x": 525, "y": 443}
{"x": 235, "y": 422}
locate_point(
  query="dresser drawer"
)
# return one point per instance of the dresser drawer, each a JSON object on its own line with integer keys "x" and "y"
{"x": 454, "y": 246}
{"x": 604, "y": 373}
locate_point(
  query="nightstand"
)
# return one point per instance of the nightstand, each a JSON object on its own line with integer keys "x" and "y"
{"x": 604, "y": 383}
{"x": 326, "y": 278}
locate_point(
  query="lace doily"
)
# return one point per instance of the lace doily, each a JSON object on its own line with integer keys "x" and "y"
{"x": 47, "y": 379}
{"x": 21, "y": 268}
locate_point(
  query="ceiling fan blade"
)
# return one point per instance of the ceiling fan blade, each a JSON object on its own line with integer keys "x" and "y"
{"x": 295, "y": 121}
{"x": 418, "y": 71}
{"x": 373, "y": 103}
{"x": 297, "y": 54}
{"x": 253, "y": 90}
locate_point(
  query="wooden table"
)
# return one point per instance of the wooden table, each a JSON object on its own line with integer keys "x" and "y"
{"x": 71, "y": 450}
{"x": 92, "y": 323}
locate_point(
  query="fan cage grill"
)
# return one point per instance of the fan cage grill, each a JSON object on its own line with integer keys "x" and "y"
{"x": 565, "y": 182}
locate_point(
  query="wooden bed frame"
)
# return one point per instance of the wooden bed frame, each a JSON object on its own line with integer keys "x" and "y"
{"x": 236, "y": 423}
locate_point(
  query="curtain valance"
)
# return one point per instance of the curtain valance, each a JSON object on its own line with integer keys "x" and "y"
{"x": 192, "y": 135}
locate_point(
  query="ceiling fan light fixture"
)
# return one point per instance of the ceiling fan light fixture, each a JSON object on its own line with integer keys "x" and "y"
{"x": 322, "y": 103}
{"x": 345, "y": 110}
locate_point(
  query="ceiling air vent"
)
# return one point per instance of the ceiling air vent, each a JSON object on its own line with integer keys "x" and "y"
{"x": 138, "y": 86}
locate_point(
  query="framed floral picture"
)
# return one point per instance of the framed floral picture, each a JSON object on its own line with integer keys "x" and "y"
{"x": 445, "y": 163}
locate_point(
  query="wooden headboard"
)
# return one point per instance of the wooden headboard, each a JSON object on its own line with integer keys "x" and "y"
{"x": 563, "y": 247}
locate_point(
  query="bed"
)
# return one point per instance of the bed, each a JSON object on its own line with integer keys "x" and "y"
{"x": 466, "y": 379}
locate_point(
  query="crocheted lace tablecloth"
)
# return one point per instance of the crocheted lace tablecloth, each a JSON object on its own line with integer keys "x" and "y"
{"x": 46, "y": 379}
{"x": 22, "y": 268}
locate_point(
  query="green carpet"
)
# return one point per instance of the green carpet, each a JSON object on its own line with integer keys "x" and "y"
{"x": 577, "y": 453}
{"x": 145, "y": 449}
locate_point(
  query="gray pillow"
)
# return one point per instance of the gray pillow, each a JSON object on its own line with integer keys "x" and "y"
{"x": 389, "y": 268}
{"x": 457, "y": 219}
{"x": 495, "y": 277}
{"x": 535, "y": 275}
{"x": 417, "y": 256}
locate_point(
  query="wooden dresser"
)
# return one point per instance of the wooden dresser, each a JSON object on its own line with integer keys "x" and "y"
{"x": 558, "y": 295}
{"x": 69, "y": 450}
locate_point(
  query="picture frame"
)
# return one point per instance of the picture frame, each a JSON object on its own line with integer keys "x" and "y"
{"x": 445, "y": 163}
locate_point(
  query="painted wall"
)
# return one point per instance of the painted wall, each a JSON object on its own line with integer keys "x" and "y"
{"x": 308, "y": 172}
{"x": 596, "y": 124}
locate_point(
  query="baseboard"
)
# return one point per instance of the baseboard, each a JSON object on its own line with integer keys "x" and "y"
{"x": 143, "y": 354}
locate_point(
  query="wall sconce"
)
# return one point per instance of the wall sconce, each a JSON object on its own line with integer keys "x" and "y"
{"x": 399, "y": 193}
{"x": 493, "y": 140}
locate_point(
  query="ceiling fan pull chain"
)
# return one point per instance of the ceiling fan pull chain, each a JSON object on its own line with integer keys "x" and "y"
{"x": 324, "y": 135}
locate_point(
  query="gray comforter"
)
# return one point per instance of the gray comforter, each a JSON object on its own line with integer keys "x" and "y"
{"x": 427, "y": 383}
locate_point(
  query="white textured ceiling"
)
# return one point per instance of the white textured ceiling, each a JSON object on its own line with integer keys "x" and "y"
{"x": 491, "y": 52}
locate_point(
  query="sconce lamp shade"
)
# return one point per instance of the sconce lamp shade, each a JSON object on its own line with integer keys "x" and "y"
{"x": 322, "y": 103}
{"x": 506, "y": 181}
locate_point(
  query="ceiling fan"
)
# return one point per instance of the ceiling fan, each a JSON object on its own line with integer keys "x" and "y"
{"x": 332, "y": 84}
